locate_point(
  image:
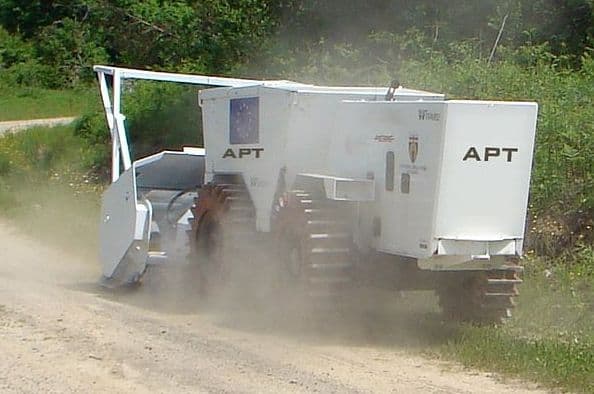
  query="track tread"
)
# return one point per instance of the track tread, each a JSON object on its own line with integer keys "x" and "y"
{"x": 325, "y": 243}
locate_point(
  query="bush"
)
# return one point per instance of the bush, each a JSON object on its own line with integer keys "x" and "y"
{"x": 69, "y": 50}
{"x": 61, "y": 56}
{"x": 13, "y": 49}
{"x": 28, "y": 74}
{"x": 18, "y": 64}
{"x": 162, "y": 116}
{"x": 4, "y": 164}
{"x": 158, "y": 116}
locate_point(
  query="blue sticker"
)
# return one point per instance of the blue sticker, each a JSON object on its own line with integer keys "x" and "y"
{"x": 244, "y": 122}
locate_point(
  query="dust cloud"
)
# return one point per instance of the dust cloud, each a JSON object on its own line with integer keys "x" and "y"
{"x": 255, "y": 295}
{"x": 60, "y": 334}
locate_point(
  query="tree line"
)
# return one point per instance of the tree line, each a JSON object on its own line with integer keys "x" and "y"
{"x": 53, "y": 43}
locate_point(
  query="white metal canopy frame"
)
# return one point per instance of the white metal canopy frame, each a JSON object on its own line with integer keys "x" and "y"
{"x": 112, "y": 104}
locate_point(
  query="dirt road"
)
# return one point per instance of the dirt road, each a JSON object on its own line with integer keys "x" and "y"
{"x": 59, "y": 332}
{"x": 20, "y": 125}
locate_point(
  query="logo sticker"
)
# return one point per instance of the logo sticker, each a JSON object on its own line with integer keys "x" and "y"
{"x": 413, "y": 148}
{"x": 243, "y": 152}
{"x": 425, "y": 114}
{"x": 384, "y": 138}
{"x": 490, "y": 152}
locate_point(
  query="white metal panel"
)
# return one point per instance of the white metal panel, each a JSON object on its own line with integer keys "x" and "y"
{"x": 118, "y": 221}
{"x": 346, "y": 189}
{"x": 479, "y": 197}
{"x": 173, "y": 170}
{"x": 477, "y": 248}
{"x": 261, "y": 166}
{"x": 143, "y": 213}
{"x": 367, "y": 132}
{"x": 311, "y": 123}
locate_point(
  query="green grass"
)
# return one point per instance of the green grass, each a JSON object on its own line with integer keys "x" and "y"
{"x": 35, "y": 103}
{"x": 46, "y": 189}
{"x": 550, "y": 339}
{"x": 550, "y": 362}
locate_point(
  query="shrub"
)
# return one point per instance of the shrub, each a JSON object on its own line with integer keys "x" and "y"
{"x": 69, "y": 50}
{"x": 158, "y": 116}
{"x": 13, "y": 49}
{"x": 4, "y": 164}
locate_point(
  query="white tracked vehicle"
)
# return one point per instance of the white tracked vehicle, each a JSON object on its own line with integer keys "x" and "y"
{"x": 383, "y": 186}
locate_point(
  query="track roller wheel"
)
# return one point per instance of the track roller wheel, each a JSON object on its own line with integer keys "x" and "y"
{"x": 484, "y": 297}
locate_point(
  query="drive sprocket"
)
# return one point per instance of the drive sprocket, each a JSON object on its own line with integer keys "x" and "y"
{"x": 224, "y": 219}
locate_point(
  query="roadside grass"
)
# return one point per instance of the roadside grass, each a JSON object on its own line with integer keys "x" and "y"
{"x": 548, "y": 362}
{"x": 36, "y": 103}
{"x": 550, "y": 340}
{"x": 46, "y": 189}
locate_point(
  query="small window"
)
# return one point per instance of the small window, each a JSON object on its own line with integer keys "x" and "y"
{"x": 390, "y": 171}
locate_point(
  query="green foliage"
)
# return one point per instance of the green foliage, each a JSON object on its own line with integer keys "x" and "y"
{"x": 40, "y": 149}
{"x": 552, "y": 362}
{"x": 158, "y": 116}
{"x": 18, "y": 65}
{"x": 32, "y": 103}
{"x": 5, "y": 165}
{"x": 65, "y": 39}
{"x": 44, "y": 182}
{"x": 69, "y": 49}
{"x": 13, "y": 49}
{"x": 29, "y": 16}
{"x": 28, "y": 74}
{"x": 566, "y": 24}
{"x": 92, "y": 128}
{"x": 39, "y": 158}
{"x": 162, "y": 116}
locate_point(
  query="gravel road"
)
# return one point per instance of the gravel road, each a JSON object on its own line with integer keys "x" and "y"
{"x": 20, "y": 125}
{"x": 61, "y": 333}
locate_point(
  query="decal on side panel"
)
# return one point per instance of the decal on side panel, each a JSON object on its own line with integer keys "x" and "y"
{"x": 244, "y": 120}
{"x": 489, "y": 152}
{"x": 243, "y": 153}
{"x": 425, "y": 114}
{"x": 384, "y": 138}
